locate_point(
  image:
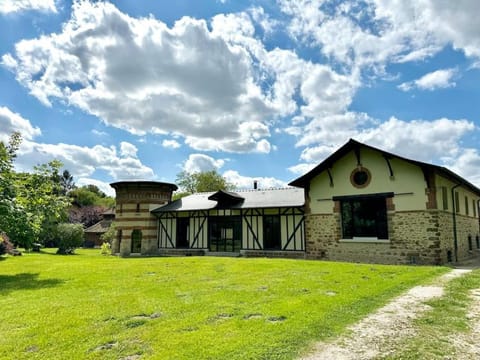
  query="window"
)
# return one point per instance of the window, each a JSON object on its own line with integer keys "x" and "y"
{"x": 477, "y": 240}
{"x": 470, "y": 246}
{"x": 364, "y": 216}
{"x": 466, "y": 205}
{"x": 457, "y": 202}
{"x": 136, "y": 241}
{"x": 445, "y": 197}
{"x": 360, "y": 177}
{"x": 474, "y": 207}
{"x": 271, "y": 232}
{"x": 225, "y": 233}
{"x": 138, "y": 208}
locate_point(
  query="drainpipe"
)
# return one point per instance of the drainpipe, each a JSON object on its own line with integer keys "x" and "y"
{"x": 454, "y": 217}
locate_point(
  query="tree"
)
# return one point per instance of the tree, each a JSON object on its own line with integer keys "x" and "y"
{"x": 14, "y": 219}
{"x": 86, "y": 215}
{"x": 89, "y": 195}
{"x": 66, "y": 182}
{"x": 70, "y": 236}
{"x": 202, "y": 182}
{"x": 40, "y": 195}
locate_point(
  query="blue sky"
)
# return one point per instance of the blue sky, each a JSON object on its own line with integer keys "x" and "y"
{"x": 257, "y": 90}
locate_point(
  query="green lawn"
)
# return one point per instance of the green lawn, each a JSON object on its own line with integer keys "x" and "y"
{"x": 90, "y": 306}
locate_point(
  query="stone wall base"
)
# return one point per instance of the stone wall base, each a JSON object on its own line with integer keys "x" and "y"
{"x": 273, "y": 254}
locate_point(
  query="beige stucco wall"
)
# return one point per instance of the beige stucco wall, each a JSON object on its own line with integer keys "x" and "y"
{"x": 408, "y": 182}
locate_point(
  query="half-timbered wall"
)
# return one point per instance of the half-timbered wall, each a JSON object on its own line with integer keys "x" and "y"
{"x": 291, "y": 221}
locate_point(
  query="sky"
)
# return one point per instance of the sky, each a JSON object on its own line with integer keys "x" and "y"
{"x": 256, "y": 90}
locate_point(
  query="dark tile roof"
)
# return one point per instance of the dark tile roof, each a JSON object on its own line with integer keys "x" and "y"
{"x": 249, "y": 199}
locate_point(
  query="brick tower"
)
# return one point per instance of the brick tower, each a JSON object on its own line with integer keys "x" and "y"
{"x": 136, "y": 227}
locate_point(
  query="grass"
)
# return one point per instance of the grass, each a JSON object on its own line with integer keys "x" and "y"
{"x": 437, "y": 327}
{"x": 89, "y": 306}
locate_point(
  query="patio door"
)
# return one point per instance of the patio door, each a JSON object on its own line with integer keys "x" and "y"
{"x": 225, "y": 233}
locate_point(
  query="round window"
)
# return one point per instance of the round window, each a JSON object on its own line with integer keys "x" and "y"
{"x": 360, "y": 177}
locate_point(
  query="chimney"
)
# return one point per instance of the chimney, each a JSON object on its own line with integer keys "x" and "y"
{"x": 255, "y": 184}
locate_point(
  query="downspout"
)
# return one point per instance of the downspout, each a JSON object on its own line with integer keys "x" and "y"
{"x": 454, "y": 217}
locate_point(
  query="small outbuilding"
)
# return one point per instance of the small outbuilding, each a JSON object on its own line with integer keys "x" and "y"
{"x": 93, "y": 233}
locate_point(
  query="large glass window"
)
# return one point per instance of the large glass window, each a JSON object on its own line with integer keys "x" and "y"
{"x": 225, "y": 233}
{"x": 364, "y": 217}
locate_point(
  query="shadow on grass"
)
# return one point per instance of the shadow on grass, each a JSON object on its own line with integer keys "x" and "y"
{"x": 25, "y": 281}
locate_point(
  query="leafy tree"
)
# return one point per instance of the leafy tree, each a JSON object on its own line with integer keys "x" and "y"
{"x": 70, "y": 236}
{"x": 14, "y": 220}
{"x": 39, "y": 194}
{"x": 89, "y": 195}
{"x": 202, "y": 182}
{"x": 66, "y": 182}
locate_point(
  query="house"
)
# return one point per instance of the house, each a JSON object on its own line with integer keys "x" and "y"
{"x": 93, "y": 233}
{"x": 365, "y": 204}
{"x": 251, "y": 223}
{"x": 360, "y": 204}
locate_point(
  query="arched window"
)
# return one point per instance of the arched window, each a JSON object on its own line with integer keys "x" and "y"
{"x": 136, "y": 241}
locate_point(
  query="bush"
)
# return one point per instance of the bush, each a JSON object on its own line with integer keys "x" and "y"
{"x": 5, "y": 245}
{"x": 106, "y": 248}
{"x": 70, "y": 236}
{"x": 109, "y": 235}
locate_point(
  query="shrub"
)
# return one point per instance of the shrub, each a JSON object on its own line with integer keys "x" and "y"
{"x": 106, "y": 248}
{"x": 70, "y": 236}
{"x": 109, "y": 235}
{"x": 5, "y": 245}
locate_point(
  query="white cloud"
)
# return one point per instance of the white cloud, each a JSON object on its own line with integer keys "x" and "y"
{"x": 11, "y": 122}
{"x": 372, "y": 33}
{"x": 12, "y": 6}
{"x": 142, "y": 76}
{"x": 171, "y": 144}
{"x": 128, "y": 150}
{"x": 99, "y": 133}
{"x": 201, "y": 162}
{"x": 246, "y": 182}
{"x": 419, "y": 139}
{"x": 466, "y": 164}
{"x": 302, "y": 168}
{"x": 439, "y": 79}
{"x": 83, "y": 161}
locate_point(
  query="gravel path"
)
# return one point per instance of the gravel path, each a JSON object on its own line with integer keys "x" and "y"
{"x": 375, "y": 334}
{"x": 468, "y": 345}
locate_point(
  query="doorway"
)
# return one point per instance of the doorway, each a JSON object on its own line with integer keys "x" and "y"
{"x": 183, "y": 224}
{"x": 225, "y": 233}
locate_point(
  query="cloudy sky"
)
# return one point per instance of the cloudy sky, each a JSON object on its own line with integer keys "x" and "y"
{"x": 257, "y": 89}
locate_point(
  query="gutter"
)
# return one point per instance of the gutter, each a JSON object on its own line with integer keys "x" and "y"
{"x": 454, "y": 217}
